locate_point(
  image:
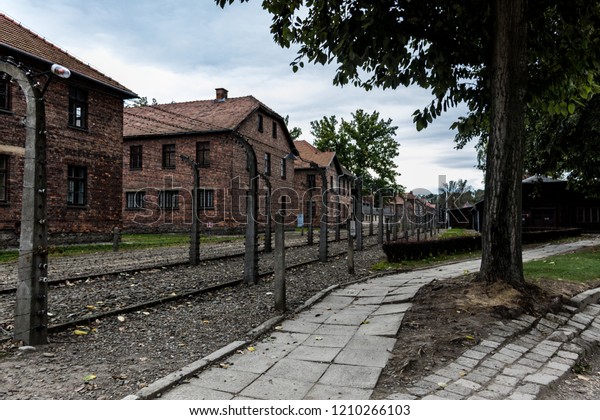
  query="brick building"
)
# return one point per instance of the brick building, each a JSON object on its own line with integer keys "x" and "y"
{"x": 84, "y": 124}
{"x": 158, "y": 184}
{"x": 310, "y": 166}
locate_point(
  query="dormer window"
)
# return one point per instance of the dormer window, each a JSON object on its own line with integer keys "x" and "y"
{"x": 261, "y": 126}
{"x": 4, "y": 92}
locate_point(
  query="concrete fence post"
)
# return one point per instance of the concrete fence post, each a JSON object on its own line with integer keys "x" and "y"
{"x": 279, "y": 267}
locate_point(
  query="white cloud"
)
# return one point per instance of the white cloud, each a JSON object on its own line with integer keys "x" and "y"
{"x": 181, "y": 51}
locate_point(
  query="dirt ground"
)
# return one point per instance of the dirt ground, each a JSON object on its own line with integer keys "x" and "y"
{"x": 450, "y": 316}
{"x": 116, "y": 357}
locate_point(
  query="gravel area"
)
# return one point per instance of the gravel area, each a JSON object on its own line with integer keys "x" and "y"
{"x": 116, "y": 356}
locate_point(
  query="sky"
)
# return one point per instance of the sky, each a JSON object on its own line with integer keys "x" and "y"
{"x": 181, "y": 50}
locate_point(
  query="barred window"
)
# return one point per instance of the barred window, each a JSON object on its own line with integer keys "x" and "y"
{"x": 136, "y": 200}
{"x": 588, "y": 215}
{"x": 206, "y": 199}
{"x": 168, "y": 199}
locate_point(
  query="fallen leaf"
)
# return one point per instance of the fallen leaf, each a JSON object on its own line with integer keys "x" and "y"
{"x": 318, "y": 338}
{"x": 89, "y": 378}
{"x": 205, "y": 321}
{"x": 279, "y": 327}
{"x": 90, "y": 307}
{"x": 470, "y": 337}
{"x": 121, "y": 318}
{"x": 80, "y": 332}
{"x": 251, "y": 348}
{"x": 442, "y": 384}
{"x": 224, "y": 365}
{"x": 583, "y": 378}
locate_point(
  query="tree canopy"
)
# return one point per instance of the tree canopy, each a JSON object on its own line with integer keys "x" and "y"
{"x": 443, "y": 46}
{"x": 502, "y": 58}
{"x": 456, "y": 194}
{"x": 295, "y": 132}
{"x": 567, "y": 145}
{"x": 365, "y": 146}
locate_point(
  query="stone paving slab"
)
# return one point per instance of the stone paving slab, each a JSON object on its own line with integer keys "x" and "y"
{"x": 337, "y": 348}
{"x": 332, "y": 392}
{"x": 351, "y": 376}
{"x": 271, "y": 388}
{"x": 393, "y": 308}
{"x": 193, "y": 392}
{"x": 300, "y": 370}
{"x": 227, "y": 380}
{"x": 362, "y": 357}
{"x": 382, "y": 325}
{"x": 315, "y": 354}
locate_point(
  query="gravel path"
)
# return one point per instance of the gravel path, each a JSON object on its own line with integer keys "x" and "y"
{"x": 116, "y": 356}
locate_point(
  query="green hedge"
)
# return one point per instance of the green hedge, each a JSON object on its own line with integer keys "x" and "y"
{"x": 403, "y": 251}
{"x": 533, "y": 235}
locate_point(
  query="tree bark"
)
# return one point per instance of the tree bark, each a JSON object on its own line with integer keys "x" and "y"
{"x": 501, "y": 235}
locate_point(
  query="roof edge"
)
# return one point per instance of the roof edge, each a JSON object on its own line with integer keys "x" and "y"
{"x": 125, "y": 93}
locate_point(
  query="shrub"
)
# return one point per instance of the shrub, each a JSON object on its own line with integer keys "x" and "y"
{"x": 403, "y": 251}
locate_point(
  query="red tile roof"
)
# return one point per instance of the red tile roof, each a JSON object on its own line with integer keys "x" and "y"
{"x": 185, "y": 117}
{"x": 15, "y": 37}
{"x": 310, "y": 153}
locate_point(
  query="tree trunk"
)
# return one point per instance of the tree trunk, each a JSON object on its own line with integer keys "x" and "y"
{"x": 501, "y": 235}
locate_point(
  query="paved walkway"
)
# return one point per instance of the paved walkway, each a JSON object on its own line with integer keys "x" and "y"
{"x": 338, "y": 347}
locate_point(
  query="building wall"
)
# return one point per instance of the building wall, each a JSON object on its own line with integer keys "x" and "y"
{"x": 553, "y": 204}
{"x": 97, "y": 148}
{"x": 339, "y": 199}
{"x": 226, "y": 176}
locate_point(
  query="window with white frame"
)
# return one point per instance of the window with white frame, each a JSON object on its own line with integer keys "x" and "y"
{"x": 76, "y": 185}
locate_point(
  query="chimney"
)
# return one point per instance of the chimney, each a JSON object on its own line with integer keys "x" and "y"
{"x": 221, "y": 94}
